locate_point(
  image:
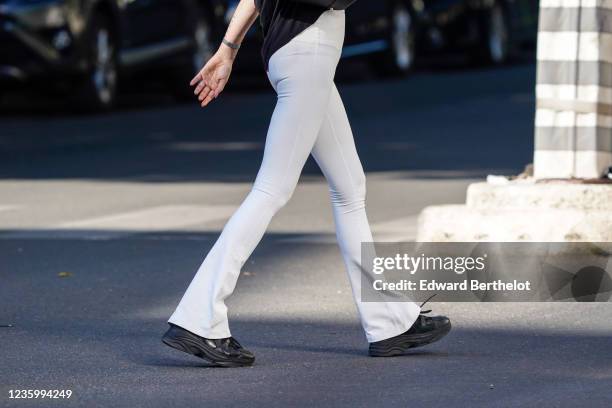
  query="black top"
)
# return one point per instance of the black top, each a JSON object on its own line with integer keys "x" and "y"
{"x": 281, "y": 21}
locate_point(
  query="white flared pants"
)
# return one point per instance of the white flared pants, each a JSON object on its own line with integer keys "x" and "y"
{"x": 309, "y": 118}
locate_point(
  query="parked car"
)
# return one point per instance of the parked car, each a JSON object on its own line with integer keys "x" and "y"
{"x": 487, "y": 30}
{"x": 83, "y": 47}
{"x": 393, "y": 34}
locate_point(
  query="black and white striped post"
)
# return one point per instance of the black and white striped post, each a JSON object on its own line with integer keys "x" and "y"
{"x": 573, "y": 141}
{"x": 573, "y": 136}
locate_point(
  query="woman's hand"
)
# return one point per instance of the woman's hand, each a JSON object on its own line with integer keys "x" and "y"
{"x": 213, "y": 77}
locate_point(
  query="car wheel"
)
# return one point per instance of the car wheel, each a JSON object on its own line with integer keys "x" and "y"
{"x": 495, "y": 47}
{"x": 99, "y": 88}
{"x": 201, "y": 51}
{"x": 400, "y": 55}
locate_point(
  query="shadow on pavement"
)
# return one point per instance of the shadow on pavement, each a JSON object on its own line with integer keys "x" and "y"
{"x": 97, "y": 330}
{"x": 475, "y": 121}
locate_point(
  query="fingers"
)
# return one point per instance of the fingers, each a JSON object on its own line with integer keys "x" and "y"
{"x": 197, "y": 78}
{"x": 209, "y": 85}
{"x": 202, "y": 77}
{"x": 208, "y": 99}
{"x": 220, "y": 86}
{"x": 200, "y": 81}
{"x": 204, "y": 94}
{"x": 199, "y": 88}
{"x": 213, "y": 92}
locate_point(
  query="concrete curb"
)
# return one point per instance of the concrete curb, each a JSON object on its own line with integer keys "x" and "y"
{"x": 522, "y": 211}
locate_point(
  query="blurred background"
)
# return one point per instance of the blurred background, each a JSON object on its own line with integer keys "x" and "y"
{"x": 113, "y": 72}
{"x": 90, "y": 52}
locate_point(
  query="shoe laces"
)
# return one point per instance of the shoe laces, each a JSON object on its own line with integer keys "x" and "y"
{"x": 227, "y": 345}
{"x": 423, "y": 304}
{"x": 424, "y": 320}
{"x": 234, "y": 343}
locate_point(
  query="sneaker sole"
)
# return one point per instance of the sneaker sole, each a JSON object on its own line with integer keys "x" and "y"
{"x": 186, "y": 345}
{"x": 402, "y": 345}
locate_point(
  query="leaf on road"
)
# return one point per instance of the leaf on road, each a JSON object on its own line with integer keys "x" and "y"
{"x": 64, "y": 274}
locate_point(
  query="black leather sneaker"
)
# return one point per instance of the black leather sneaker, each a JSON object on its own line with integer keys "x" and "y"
{"x": 426, "y": 330}
{"x": 220, "y": 352}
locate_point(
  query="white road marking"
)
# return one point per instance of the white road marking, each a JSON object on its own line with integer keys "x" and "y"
{"x": 172, "y": 218}
{"x": 8, "y": 207}
{"x": 152, "y": 219}
{"x": 162, "y": 218}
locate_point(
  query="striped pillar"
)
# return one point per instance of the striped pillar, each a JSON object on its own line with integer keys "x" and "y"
{"x": 573, "y": 134}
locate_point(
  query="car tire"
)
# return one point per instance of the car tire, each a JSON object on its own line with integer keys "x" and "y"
{"x": 399, "y": 57}
{"x": 495, "y": 45}
{"x": 98, "y": 89}
{"x": 201, "y": 51}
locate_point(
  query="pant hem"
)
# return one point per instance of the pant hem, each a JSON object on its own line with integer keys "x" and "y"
{"x": 199, "y": 331}
{"x": 397, "y": 330}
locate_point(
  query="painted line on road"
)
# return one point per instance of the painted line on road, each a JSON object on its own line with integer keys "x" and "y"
{"x": 161, "y": 223}
{"x": 161, "y": 219}
{"x": 88, "y": 235}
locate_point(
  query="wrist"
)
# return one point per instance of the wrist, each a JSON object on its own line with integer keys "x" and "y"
{"x": 226, "y": 52}
{"x": 229, "y": 48}
{"x": 234, "y": 46}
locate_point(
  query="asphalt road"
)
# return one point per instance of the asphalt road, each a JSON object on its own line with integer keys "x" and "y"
{"x": 104, "y": 219}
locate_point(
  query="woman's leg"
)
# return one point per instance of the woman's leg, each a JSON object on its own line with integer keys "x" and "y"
{"x": 302, "y": 75}
{"x": 334, "y": 151}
